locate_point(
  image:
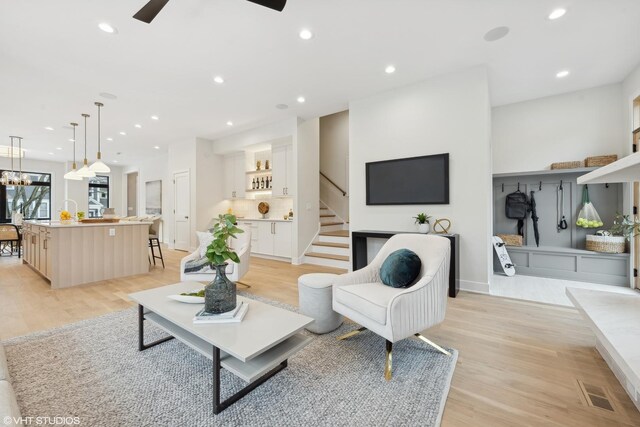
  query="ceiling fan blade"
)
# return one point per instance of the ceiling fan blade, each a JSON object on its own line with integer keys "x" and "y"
{"x": 150, "y": 10}
{"x": 271, "y": 4}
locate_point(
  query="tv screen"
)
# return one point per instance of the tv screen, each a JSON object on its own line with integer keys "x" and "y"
{"x": 411, "y": 181}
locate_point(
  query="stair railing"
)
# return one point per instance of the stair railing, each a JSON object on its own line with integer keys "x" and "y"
{"x": 344, "y": 193}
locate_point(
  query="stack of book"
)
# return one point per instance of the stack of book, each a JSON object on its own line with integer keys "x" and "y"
{"x": 234, "y": 316}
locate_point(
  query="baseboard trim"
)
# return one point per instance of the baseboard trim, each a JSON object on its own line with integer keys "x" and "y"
{"x": 475, "y": 287}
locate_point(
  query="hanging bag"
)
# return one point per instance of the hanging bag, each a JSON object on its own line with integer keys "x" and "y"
{"x": 588, "y": 216}
{"x": 517, "y": 207}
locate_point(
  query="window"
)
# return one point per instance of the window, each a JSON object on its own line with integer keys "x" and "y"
{"x": 98, "y": 195}
{"x": 34, "y": 201}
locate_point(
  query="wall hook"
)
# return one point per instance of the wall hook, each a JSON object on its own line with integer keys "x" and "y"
{"x": 503, "y": 187}
{"x": 540, "y": 186}
{"x": 561, "y": 185}
{"x": 606, "y": 185}
{"x": 518, "y": 186}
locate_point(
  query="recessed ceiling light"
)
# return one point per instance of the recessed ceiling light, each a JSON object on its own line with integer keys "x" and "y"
{"x": 48, "y": 128}
{"x": 137, "y": 126}
{"x": 156, "y": 147}
{"x": 390, "y": 69}
{"x": 301, "y": 99}
{"x": 282, "y": 106}
{"x": 218, "y": 79}
{"x": 71, "y": 140}
{"x": 107, "y": 95}
{"x": 58, "y": 148}
{"x": 558, "y": 13}
{"x": 496, "y": 34}
{"x": 107, "y": 28}
{"x": 155, "y": 118}
{"x": 562, "y": 74}
{"x": 109, "y": 139}
{"x": 123, "y": 133}
{"x": 51, "y": 154}
{"x": 115, "y": 161}
{"x": 229, "y": 123}
{"x": 306, "y": 34}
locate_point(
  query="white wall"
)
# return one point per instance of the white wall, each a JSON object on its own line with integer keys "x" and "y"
{"x": 446, "y": 114}
{"x": 255, "y": 136}
{"x": 530, "y": 135}
{"x": 209, "y": 191}
{"x": 307, "y": 154}
{"x": 630, "y": 91}
{"x": 334, "y": 158}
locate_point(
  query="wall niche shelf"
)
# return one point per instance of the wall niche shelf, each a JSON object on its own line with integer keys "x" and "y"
{"x": 260, "y": 172}
{"x": 577, "y": 171}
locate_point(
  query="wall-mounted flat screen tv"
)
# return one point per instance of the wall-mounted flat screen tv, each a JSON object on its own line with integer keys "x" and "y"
{"x": 412, "y": 181}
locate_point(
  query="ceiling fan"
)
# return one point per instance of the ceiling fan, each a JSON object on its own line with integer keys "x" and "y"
{"x": 153, "y": 7}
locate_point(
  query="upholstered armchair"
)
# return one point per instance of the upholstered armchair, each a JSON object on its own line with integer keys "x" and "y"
{"x": 235, "y": 271}
{"x": 397, "y": 313}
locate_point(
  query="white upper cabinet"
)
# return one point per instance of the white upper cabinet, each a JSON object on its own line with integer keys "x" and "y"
{"x": 234, "y": 176}
{"x": 283, "y": 183}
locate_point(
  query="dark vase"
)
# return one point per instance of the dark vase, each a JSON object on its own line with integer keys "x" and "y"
{"x": 220, "y": 294}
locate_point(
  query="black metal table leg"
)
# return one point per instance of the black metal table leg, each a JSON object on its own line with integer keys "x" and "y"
{"x": 219, "y": 406}
{"x": 141, "y": 345}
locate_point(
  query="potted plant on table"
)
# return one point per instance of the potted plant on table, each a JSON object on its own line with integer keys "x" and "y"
{"x": 220, "y": 294}
{"x": 422, "y": 219}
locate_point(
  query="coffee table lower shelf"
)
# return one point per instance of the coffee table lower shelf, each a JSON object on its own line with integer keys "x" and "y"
{"x": 254, "y": 371}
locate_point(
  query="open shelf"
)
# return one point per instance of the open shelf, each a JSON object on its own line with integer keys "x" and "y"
{"x": 261, "y": 190}
{"x": 576, "y": 171}
{"x": 260, "y": 172}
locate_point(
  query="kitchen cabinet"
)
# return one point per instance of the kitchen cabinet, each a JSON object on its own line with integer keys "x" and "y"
{"x": 283, "y": 183}
{"x": 235, "y": 179}
{"x": 270, "y": 237}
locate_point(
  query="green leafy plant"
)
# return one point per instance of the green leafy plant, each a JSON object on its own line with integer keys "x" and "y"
{"x": 219, "y": 252}
{"x": 422, "y": 218}
{"x": 623, "y": 225}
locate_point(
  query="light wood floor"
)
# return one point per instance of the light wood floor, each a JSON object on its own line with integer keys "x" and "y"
{"x": 519, "y": 362}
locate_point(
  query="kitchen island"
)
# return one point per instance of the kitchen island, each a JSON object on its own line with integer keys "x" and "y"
{"x": 75, "y": 254}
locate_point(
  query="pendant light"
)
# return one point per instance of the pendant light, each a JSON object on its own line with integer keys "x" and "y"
{"x": 99, "y": 166}
{"x": 73, "y": 173}
{"x": 7, "y": 177}
{"x": 23, "y": 178}
{"x": 84, "y": 171}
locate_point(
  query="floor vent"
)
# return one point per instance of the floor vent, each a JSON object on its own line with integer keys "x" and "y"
{"x": 596, "y": 396}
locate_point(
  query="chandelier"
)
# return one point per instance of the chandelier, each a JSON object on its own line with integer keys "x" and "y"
{"x": 14, "y": 177}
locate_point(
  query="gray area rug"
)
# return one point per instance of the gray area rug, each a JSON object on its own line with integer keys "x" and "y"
{"x": 93, "y": 370}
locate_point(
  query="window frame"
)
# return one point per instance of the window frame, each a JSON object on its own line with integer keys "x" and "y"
{"x": 3, "y": 195}
{"x": 106, "y": 186}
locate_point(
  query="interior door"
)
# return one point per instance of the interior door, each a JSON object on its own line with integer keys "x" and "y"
{"x": 182, "y": 213}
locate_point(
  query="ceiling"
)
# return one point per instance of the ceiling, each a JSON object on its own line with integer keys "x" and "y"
{"x": 54, "y": 61}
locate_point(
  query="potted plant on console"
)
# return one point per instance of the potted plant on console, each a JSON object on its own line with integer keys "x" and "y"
{"x": 220, "y": 294}
{"x": 422, "y": 219}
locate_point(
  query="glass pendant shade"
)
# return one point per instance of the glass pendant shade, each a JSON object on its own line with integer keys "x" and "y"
{"x": 85, "y": 172}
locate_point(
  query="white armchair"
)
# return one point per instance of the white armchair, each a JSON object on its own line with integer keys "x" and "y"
{"x": 235, "y": 271}
{"x": 397, "y": 313}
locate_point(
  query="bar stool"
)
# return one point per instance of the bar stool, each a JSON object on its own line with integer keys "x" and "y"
{"x": 154, "y": 241}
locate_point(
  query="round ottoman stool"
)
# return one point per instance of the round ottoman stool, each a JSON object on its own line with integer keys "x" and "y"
{"x": 315, "y": 293}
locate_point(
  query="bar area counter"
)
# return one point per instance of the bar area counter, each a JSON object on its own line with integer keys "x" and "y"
{"x": 75, "y": 254}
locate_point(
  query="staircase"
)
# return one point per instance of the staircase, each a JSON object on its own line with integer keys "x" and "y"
{"x": 332, "y": 248}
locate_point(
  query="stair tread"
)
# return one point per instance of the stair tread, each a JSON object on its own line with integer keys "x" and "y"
{"x": 332, "y": 223}
{"x": 339, "y": 233}
{"x": 332, "y": 245}
{"x": 328, "y": 256}
{"x": 327, "y": 216}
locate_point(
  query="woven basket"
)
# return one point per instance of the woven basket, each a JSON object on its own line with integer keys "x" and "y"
{"x": 511, "y": 239}
{"x": 567, "y": 165}
{"x": 606, "y": 244}
{"x": 600, "y": 160}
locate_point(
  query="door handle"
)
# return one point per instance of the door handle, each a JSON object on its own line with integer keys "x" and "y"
{"x": 45, "y": 244}
{"x": 186, "y": 217}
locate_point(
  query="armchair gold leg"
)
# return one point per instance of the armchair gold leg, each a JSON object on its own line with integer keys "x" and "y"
{"x": 243, "y": 284}
{"x": 432, "y": 344}
{"x": 389, "y": 362}
{"x": 352, "y": 333}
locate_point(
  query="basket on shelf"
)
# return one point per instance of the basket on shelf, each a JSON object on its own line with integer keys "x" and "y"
{"x": 594, "y": 161}
{"x": 567, "y": 165}
{"x": 606, "y": 244}
{"x": 511, "y": 239}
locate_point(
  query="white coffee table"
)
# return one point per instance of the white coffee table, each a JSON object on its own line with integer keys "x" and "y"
{"x": 254, "y": 350}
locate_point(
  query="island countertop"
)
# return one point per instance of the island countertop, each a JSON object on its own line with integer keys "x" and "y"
{"x": 58, "y": 224}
